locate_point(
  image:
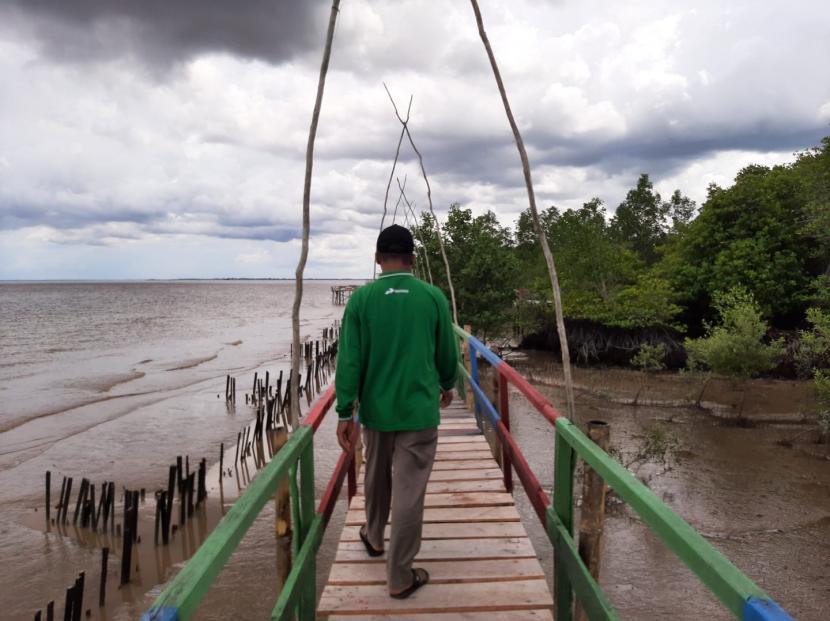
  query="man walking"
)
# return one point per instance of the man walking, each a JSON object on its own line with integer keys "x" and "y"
{"x": 397, "y": 359}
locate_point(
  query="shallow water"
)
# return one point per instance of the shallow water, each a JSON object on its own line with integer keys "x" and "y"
{"x": 763, "y": 505}
{"x": 120, "y": 405}
{"x": 78, "y": 406}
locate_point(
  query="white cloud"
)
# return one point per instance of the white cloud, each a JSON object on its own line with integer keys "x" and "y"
{"x": 103, "y": 162}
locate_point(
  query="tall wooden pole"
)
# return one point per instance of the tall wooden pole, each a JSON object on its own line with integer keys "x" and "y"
{"x": 537, "y": 225}
{"x": 309, "y": 163}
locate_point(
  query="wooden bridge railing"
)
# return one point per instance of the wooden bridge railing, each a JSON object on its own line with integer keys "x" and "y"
{"x": 741, "y": 596}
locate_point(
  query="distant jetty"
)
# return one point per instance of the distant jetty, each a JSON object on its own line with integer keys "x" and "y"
{"x": 340, "y": 294}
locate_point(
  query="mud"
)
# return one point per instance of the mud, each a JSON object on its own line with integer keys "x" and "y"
{"x": 761, "y": 503}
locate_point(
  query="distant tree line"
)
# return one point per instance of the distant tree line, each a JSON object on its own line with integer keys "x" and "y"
{"x": 659, "y": 273}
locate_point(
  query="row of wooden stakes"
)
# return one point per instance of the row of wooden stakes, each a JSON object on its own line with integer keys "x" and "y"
{"x": 271, "y": 402}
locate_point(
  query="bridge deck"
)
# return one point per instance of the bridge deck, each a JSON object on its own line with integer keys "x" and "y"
{"x": 480, "y": 560}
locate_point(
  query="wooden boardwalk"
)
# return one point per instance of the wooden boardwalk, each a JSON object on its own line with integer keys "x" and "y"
{"x": 480, "y": 560}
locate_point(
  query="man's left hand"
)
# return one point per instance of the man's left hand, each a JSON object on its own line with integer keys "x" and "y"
{"x": 446, "y": 397}
{"x": 344, "y": 432}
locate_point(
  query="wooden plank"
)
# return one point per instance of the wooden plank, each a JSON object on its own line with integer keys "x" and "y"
{"x": 470, "y": 474}
{"x": 462, "y": 455}
{"x": 490, "y": 485}
{"x": 446, "y": 550}
{"x": 466, "y": 475}
{"x": 459, "y": 514}
{"x": 446, "y": 487}
{"x": 465, "y": 445}
{"x": 455, "y": 440}
{"x": 504, "y": 615}
{"x": 453, "y": 531}
{"x": 464, "y": 464}
{"x": 438, "y": 598}
{"x": 442, "y": 571}
{"x": 455, "y": 499}
{"x": 458, "y": 431}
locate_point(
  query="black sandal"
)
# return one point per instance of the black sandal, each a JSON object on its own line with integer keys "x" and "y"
{"x": 420, "y": 577}
{"x": 370, "y": 549}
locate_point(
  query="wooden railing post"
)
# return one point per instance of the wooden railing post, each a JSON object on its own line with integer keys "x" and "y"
{"x": 502, "y": 388}
{"x": 469, "y": 396}
{"x": 563, "y": 507}
{"x": 282, "y": 510}
{"x": 308, "y": 588}
{"x": 592, "y": 514}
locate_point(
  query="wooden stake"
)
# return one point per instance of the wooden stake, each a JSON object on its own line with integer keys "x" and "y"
{"x": 102, "y": 588}
{"x": 79, "y": 596}
{"x": 48, "y": 489}
{"x": 59, "y": 506}
{"x": 469, "y": 393}
{"x": 111, "y": 499}
{"x": 68, "y": 605}
{"x": 81, "y": 499}
{"x": 593, "y": 511}
{"x": 157, "y": 521}
{"x": 165, "y": 517}
{"x": 126, "y": 554}
{"x": 171, "y": 481}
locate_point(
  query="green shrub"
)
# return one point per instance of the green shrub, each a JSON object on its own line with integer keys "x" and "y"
{"x": 650, "y": 357}
{"x": 821, "y": 381}
{"x": 735, "y": 347}
{"x": 814, "y": 344}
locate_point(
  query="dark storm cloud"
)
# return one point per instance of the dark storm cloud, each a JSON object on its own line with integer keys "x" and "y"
{"x": 663, "y": 153}
{"x": 163, "y": 32}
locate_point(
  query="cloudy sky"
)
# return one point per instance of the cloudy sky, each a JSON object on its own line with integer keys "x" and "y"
{"x": 167, "y": 139}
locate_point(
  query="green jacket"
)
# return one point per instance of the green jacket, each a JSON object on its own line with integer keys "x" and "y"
{"x": 396, "y": 349}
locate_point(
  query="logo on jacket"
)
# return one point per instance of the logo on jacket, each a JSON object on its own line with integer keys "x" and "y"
{"x": 391, "y": 291}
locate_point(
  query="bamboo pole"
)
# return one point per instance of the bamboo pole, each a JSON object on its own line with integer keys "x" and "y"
{"x": 309, "y": 163}
{"x": 431, "y": 210}
{"x": 537, "y": 225}
{"x": 417, "y": 227}
{"x": 592, "y": 514}
{"x": 391, "y": 175}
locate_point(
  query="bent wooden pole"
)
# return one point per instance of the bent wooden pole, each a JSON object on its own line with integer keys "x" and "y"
{"x": 309, "y": 163}
{"x": 537, "y": 225}
{"x": 431, "y": 210}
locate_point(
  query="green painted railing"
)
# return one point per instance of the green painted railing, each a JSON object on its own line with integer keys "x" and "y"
{"x": 297, "y": 598}
{"x": 741, "y": 596}
{"x": 295, "y": 460}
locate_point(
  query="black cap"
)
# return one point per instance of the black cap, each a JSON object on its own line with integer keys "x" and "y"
{"x": 395, "y": 240}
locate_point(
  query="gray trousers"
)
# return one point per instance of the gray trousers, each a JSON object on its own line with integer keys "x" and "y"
{"x": 398, "y": 465}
